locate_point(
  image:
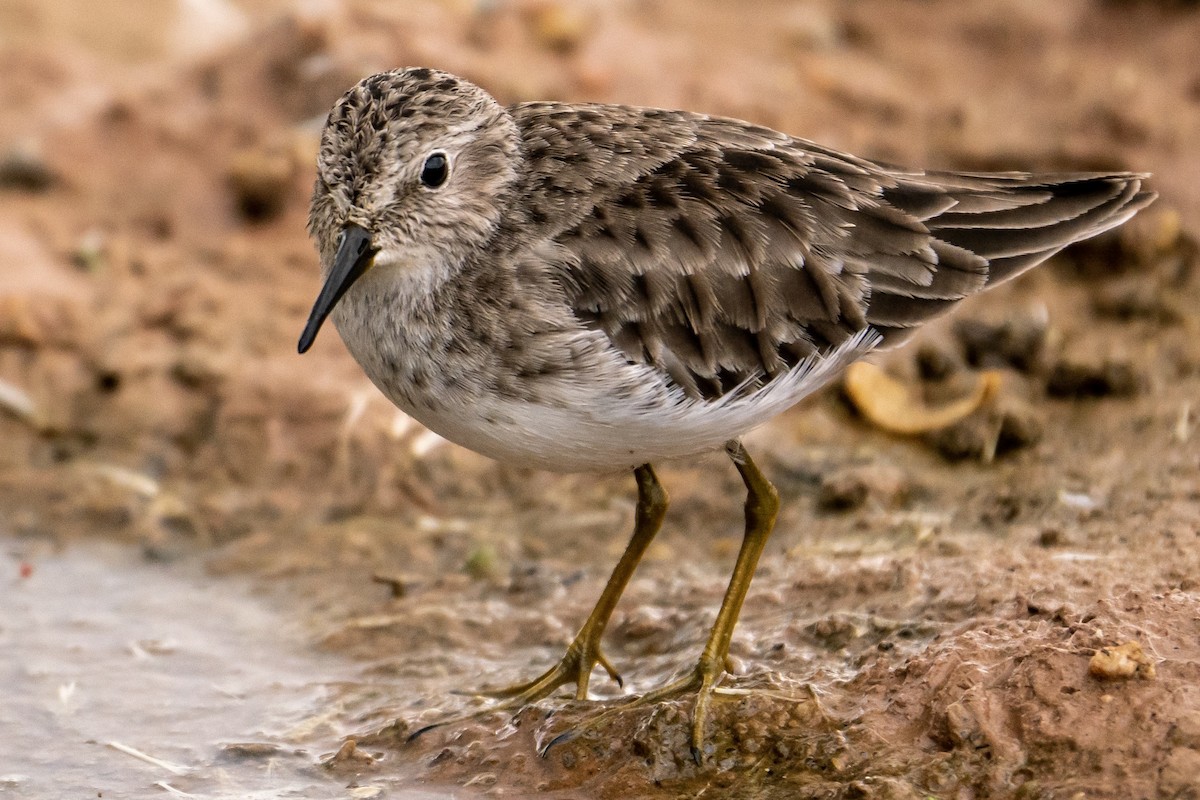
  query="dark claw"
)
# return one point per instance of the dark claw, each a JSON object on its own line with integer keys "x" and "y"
{"x": 566, "y": 736}
{"x": 412, "y": 737}
{"x": 697, "y": 755}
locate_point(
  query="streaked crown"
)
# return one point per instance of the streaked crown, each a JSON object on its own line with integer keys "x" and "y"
{"x": 419, "y": 159}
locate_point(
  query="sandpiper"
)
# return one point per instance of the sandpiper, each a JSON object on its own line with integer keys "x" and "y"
{"x": 596, "y": 287}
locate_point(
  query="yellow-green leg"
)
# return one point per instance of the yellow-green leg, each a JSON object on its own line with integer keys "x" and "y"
{"x": 583, "y": 654}
{"x": 762, "y": 505}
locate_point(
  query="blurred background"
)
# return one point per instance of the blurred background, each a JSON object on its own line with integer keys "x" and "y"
{"x": 156, "y": 158}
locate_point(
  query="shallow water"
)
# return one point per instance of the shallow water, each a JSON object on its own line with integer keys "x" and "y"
{"x": 105, "y": 655}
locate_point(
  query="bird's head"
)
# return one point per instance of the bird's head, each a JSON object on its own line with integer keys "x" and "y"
{"x": 411, "y": 167}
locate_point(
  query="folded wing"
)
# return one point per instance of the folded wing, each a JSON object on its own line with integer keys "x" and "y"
{"x": 730, "y": 253}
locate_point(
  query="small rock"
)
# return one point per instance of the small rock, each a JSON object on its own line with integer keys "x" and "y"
{"x": 1136, "y": 298}
{"x": 834, "y": 632}
{"x": 1018, "y": 342}
{"x": 17, "y": 402}
{"x": 936, "y": 362}
{"x": 397, "y": 585}
{"x": 970, "y": 438}
{"x": 1121, "y": 662}
{"x": 1108, "y": 377}
{"x": 1008, "y": 426}
{"x": 40, "y": 319}
{"x": 481, "y": 780}
{"x": 643, "y": 623}
{"x": 842, "y": 492}
{"x": 848, "y": 489}
{"x": 261, "y": 180}
{"x": 1185, "y": 732}
{"x": 200, "y": 368}
{"x": 963, "y": 727}
{"x": 91, "y": 252}
{"x": 1020, "y": 425}
{"x": 206, "y": 27}
{"x": 251, "y": 750}
{"x": 22, "y": 168}
{"x": 1050, "y": 537}
{"x": 348, "y": 755}
{"x": 561, "y": 27}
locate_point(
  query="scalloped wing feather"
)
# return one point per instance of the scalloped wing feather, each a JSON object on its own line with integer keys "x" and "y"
{"x": 725, "y": 254}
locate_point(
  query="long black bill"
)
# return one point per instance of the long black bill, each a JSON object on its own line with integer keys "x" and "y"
{"x": 353, "y": 258}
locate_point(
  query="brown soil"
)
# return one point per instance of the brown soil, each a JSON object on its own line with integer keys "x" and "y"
{"x": 924, "y": 619}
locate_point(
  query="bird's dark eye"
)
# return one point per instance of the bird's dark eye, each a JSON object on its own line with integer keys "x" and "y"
{"x": 436, "y": 170}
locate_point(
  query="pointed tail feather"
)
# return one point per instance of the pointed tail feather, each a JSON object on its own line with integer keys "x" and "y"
{"x": 988, "y": 229}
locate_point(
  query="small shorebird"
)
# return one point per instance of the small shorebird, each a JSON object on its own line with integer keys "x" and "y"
{"x": 596, "y": 287}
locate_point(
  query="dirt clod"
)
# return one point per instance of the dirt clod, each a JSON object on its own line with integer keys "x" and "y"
{"x": 1017, "y": 341}
{"x": 1076, "y": 377}
{"x": 937, "y": 362}
{"x": 1121, "y": 662}
{"x": 261, "y": 180}
{"x": 349, "y": 756}
{"x": 848, "y": 489}
{"x": 1007, "y": 426}
{"x": 23, "y": 169}
{"x": 1136, "y": 298}
{"x": 561, "y": 26}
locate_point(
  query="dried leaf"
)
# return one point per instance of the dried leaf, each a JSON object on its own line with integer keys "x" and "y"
{"x": 897, "y": 408}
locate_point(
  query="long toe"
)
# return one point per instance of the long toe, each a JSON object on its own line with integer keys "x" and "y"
{"x": 703, "y": 679}
{"x": 575, "y": 667}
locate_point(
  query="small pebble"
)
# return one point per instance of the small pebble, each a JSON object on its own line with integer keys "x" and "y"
{"x": 1009, "y": 426}
{"x": 349, "y": 754}
{"x": 261, "y": 180}
{"x": 250, "y": 750}
{"x": 396, "y": 585}
{"x": 1018, "y": 342}
{"x": 91, "y": 251}
{"x": 1109, "y": 377}
{"x": 1121, "y": 662}
{"x": 23, "y": 169}
{"x": 936, "y": 362}
{"x": 1136, "y": 298}
{"x": 561, "y": 27}
{"x": 17, "y": 402}
{"x": 850, "y": 488}
{"x": 1050, "y": 537}
{"x": 843, "y": 491}
{"x": 482, "y": 780}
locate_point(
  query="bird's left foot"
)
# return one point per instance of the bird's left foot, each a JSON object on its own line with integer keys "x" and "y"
{"x": 575, "y": 667}
{"x": 704, "y": 679}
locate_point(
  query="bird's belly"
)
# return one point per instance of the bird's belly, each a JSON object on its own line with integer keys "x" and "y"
{"x": 603, "y": 425}
{"x": 601, "y": 435}
{"x": 540, "y": 437}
